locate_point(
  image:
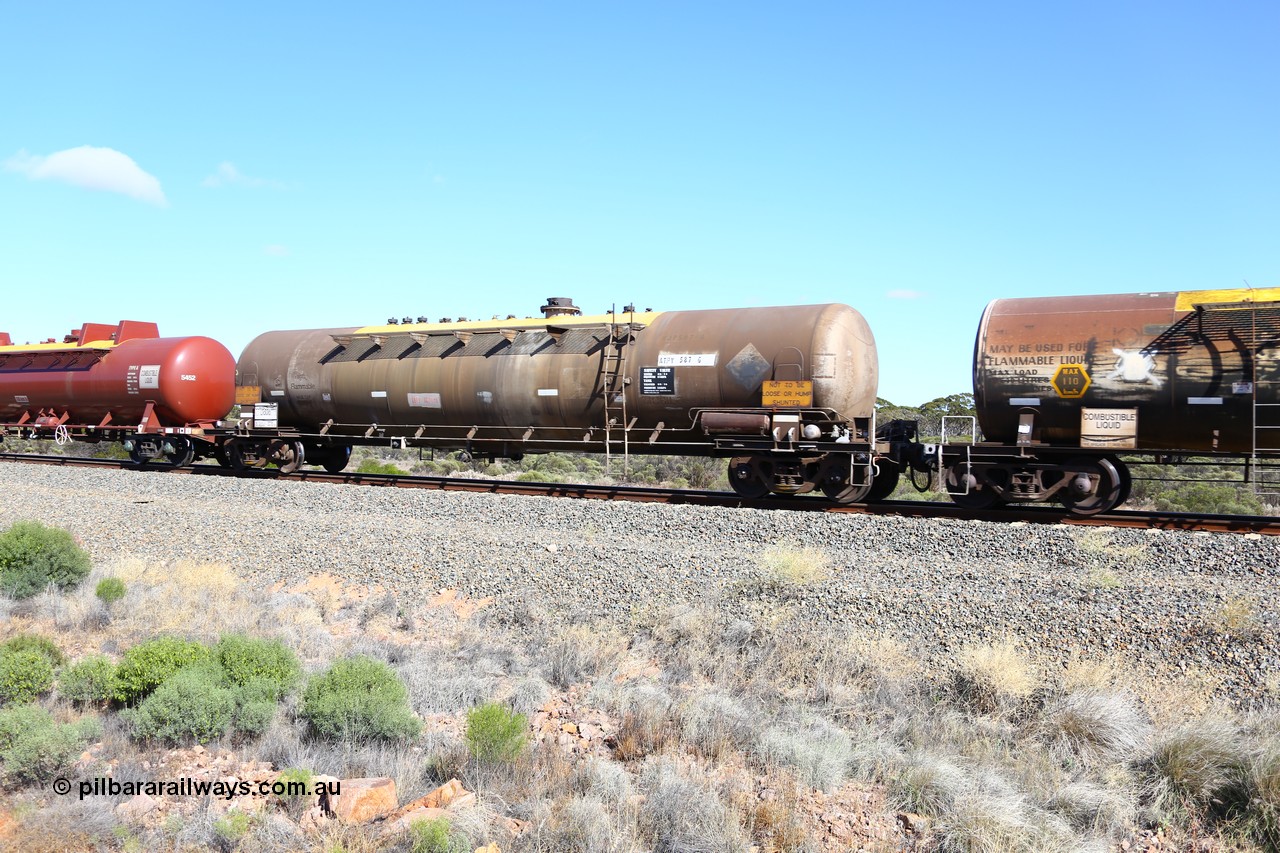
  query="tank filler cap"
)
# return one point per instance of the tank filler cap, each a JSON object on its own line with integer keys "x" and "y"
{"x": 557, "y": 305}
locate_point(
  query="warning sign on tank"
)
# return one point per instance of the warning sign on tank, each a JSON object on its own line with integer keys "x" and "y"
{"x": 1070, "y": 381}
{"x": 658, "y": 381}
{"x": 266, "y": 415}
{"x": 1109, "y": 428}
{"x": 786, "y": 394}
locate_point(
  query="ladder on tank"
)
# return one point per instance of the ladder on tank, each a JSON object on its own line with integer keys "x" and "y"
{"x": 613, "y": 383}
{"x": 1264, "y": 472}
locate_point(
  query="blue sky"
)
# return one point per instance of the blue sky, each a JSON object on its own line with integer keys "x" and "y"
{"x": 295, "y": 165}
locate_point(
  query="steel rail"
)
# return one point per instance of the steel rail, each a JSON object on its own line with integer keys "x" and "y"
{"x": 1031, "y": 514}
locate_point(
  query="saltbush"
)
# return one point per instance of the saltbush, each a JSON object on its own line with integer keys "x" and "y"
{"x": 90, "y": 680}
{"x": 269, "y": 665}
{"x": 359, "y": 699}
{"x": 35, "y": 643}
{"x": 436, "y": 836}
{"x": 253, "y": 716}
{"x": 495, "y": 733}
{"x": 34, "y": 748}
{"x": 110, "y": 590}
{"x": 33, "y": 556}
{"x": 24, "y": 675}
{"x": 146, "y": 665}
{"x": 188, "y": 704}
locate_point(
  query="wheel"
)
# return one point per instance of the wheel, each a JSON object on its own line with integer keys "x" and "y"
{"x": 288, "y": 455}
{"x": 745, "y": 479}
{"x": 180, "y": 451}
{"x": 975, "y": 498}
{"x": 221, "y": 455}
{"x": 833, "y": 480}
{"x": 336, "y": 458}
{"x": 885, "y": 482}
{"x": 136, "y": 455}
{"x": 843, "y": 493}
{"x": 1094, "y": 485}
{"x": 1126, "y": 481}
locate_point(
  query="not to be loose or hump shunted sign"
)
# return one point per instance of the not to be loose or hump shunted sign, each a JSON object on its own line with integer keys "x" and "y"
{"x": 1109, "y": 428}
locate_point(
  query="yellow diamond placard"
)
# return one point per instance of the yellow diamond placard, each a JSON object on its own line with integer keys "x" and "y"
{"x": 1070, "y": 381}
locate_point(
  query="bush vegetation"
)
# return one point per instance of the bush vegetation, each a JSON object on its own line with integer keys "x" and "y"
{"x": 146, "y": 666}
{"x": 110, "y": 590}
{"x": 189, "y": 704}
{"x": 89, "y": 681}
{"x": 267, "y": 668}
{"x": 359, "y": 699}
{"x": 24, "y": 675}
{"x": 496, "y": 734}
{"x": 33, "y": 557}
{"x": 33, "y": 748}
{"x": 35, "y": 643}
{"x": 437, "y": 836}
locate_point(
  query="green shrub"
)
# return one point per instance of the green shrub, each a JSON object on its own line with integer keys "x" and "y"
{"x": 435, "y": 836}
{"x": 88, "y": 680}
{"x": 254, "y": 716}
{"x": 359, "y": 699}
{"x": 35, "y": 749}
{"x": 33, "y": 642}
{"x": 33, "y": 556}
{"x": 189, "y": 704}
{"x": 232, "y": 826}
{"x": 146, "y": 665}
{"x": 373, "y": 466}
{"x": 496, "y": 733}
{"x": 110, "y": 590}
{"x": 269, "y": 665}
{"x": 24, "y": 675}
{"x": 535, "y": 477}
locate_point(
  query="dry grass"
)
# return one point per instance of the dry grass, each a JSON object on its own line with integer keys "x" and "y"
{"x": 786, "y": 565}
{"x": 1193, "y": 766}
{"x": 1237, "y": 616}
{"x": 583, "y": 652}
{"x": 1098, "y": 726}
{"x": 994, "y": 677}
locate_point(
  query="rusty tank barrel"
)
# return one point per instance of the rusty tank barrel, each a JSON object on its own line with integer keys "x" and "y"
{"x": 564, "y": 371}
{"x": 1156, "y": 371}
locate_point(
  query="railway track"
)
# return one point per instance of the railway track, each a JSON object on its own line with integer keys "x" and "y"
{"x": 1264, "y": 525}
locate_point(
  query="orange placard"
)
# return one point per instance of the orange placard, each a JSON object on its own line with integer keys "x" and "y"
{"x": 787, "y": 395}
{"x": 247, "y": 395}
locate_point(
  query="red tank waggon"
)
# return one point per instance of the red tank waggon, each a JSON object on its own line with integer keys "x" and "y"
{"x": 158, "y": 395}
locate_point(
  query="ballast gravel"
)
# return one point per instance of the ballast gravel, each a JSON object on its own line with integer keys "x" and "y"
{"x": 1168, "y": 601}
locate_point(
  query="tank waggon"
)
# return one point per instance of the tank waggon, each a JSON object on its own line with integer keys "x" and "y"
{"x": 1069, "y": 383}
{"x": 788, "y": 393}
{"x": 161, "y": 397}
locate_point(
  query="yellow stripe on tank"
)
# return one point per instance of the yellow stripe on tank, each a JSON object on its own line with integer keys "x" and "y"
{"x": 72, "y": 347}
{"x": 1189, "y": 299}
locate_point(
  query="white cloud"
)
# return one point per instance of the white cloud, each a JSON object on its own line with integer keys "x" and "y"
{"x": 904, "y": 294}
{"x": 91, "y": 168}
{"x": 275, "y": 250}
{"x": 228, "y": 175}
